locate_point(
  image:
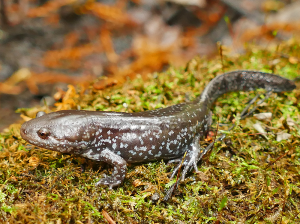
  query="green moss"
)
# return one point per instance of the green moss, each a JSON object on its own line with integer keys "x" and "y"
{"x": 245, "y": 179}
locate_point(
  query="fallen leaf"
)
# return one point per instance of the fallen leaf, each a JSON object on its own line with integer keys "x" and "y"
{"x": 290, "y": 122}
{"x": 283, "y": 136}
{"x": 260, "y": 129}
{"x": 263, "y": 116}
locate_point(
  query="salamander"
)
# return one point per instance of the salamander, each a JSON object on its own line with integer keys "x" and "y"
{"x": 167, "y": 133}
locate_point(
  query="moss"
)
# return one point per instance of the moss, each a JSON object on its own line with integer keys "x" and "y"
{"x": 247, "y": 178}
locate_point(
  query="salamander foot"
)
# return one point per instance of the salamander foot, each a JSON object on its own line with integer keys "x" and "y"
{"x": 119, "y": 166}
{"x": 109, "y": 181}
{"x": 190, "y": 160}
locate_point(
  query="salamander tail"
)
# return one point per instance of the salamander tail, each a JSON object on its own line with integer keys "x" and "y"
{"x": 244, "y": 81}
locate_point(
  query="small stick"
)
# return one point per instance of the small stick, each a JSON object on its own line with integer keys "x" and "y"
{"x": 271, "y": 163}
{"x": 268, "y": 94}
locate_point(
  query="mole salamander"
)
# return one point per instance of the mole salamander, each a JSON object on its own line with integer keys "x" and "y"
{"x": 117, "y": 138}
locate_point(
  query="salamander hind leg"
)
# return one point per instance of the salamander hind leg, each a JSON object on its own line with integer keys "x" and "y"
{"x": 190, "y": 160}
{"x": 119, "y": 165}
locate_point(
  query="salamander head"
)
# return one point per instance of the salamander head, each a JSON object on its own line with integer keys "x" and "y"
{"x": 63, "y": 131}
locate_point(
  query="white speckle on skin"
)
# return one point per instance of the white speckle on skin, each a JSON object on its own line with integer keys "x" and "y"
{"x": 158, "y": 154}
{"x": 171, "y": 132}
{"x": 134, "y": 127}
{"x": 94, "y": 141}
{"x": 128, "y": 137}
{"x": 141, "y": 140}
{"x": 168, "y": 147}
{"x": 144, "y": 148}
{"x": 105, "y": 140}
{"x": 89, "y": 155}
{"x": 132, "y": 152}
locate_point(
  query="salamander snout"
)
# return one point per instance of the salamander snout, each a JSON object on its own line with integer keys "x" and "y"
{"x": 23, "y": 131}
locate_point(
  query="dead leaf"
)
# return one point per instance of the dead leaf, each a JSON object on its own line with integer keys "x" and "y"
{"x": 260, "y": 129}
{"x": 263, "y": 116}
{"x": 290, "y": 122}
{"x": 283, "y": 136}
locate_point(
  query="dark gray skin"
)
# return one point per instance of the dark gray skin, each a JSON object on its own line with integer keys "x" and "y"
{"x": 118, "y": 138}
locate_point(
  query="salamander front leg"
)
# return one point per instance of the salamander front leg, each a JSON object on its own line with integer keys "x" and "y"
{"x": 119, "y": 165}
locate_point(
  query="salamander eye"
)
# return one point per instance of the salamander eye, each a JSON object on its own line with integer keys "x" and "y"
{"x": 43, "y": 133}
{"x": 40, "y": 113}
